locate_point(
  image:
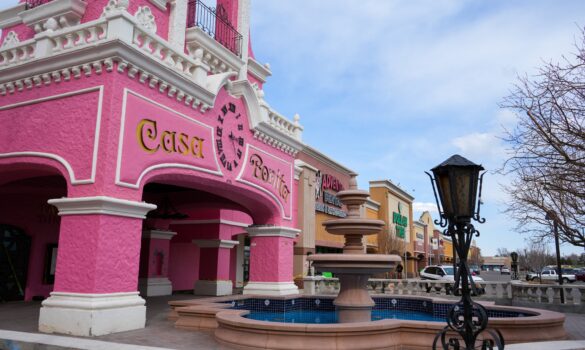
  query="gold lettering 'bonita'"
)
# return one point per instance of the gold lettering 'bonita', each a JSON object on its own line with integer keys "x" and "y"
{"x": 269, "y": 176}
{"x": 149, "y": 140}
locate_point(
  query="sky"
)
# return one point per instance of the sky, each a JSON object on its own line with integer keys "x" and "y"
{"x": 392, "y": 88}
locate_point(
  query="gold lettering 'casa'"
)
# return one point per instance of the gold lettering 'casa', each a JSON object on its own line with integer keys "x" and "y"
{"x": 270, "y": 176}
{"x": 149, "y": 139}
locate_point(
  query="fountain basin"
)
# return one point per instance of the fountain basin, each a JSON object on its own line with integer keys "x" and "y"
{"x": 233, "y": 328}
{"x": 351, "y": 226}
{"x": 354, "y": 263}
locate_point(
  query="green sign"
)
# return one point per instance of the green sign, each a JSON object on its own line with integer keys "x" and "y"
{"x": 401, "y": 222}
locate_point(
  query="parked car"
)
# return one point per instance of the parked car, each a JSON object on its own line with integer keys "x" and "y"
{"x": 505, "y": 271}
{"x": 580, "y": 276}
{"x": 446, "y": 273}
{"x": 551, "y": 275}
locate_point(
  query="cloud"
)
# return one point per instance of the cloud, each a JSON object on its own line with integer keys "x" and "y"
{"x": 476, "y": 145}
{"x": 419, "y": 207}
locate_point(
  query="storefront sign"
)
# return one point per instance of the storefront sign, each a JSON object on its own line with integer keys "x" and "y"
{"x": 270, "y": 174}
{"x": 152, "y": 140}
{"x": 330, "y": 210}
{"x": 400, "y": 221}
{"x": 420, "y": 235}
{"x": 155, "y": 136}
{"x": 272, "y": 177}
{"x": 328, "y": 182}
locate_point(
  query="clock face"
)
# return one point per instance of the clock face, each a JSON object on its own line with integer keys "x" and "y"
{"x": 229, "y": 132}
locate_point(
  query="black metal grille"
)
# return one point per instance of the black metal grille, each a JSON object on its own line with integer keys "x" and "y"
{"x": 30, "y": 4}
{"x": 215, "y": 22}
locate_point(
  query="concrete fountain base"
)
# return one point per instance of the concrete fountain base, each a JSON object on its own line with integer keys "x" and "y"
{"x": 234, "y": 330}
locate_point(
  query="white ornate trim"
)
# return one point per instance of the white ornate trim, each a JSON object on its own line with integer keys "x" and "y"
{"x": 9, "y": 17}
{"x": 161, "y": 4}
{"x": 10, "y": 40}
{"x": 211, "y": 221}
{"x": 259, "y": 71}
{"x": 270, "y": 288}
{"x": 177, "y": 24}
{"x": 65, "y": 163}
{"x": 102, "y": 205}
{"x": 273, "y": 231}
{"x": 215, "y": 243}
{"x": 145, "y": 18}
{"x": 115, "y": 6}
{"x": 54, "y": 15}
{"x": 92, "y": 314}
{"x": 158, "y": 234}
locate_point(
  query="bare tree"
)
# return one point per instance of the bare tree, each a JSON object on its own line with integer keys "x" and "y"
{"x": 389, "y": 243}
{"x": 547, "y": 149}
{"x": 502, "y": 252}
{"x": 535, "y": 257}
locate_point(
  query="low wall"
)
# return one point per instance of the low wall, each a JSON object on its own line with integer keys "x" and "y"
{"x": 516, "y": 293}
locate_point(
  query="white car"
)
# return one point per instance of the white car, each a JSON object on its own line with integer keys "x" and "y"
{"x": 446, "y": 273}
{"x": 442, "y": 273}
{"x": 505, "y": 271}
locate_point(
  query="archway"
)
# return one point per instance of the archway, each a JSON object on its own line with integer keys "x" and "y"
{"x": 29, "y": 229}
{"x": 193, "y": 241}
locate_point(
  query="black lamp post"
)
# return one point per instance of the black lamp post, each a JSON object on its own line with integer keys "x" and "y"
{"x": 457, "y": 181}
{"x": 514, "y": 257}
{"x": 550, "y": 216}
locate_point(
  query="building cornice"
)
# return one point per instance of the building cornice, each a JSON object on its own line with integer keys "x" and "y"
{"x": 259, "y": 71}
{"x": 313, "y": 153}
{"x": 372, "y": 204}
{"x": 391, "y": 187}
{"x": 9, "y": 17}
{"x": 102, "y": 205}
{"x": 272, "y": 231}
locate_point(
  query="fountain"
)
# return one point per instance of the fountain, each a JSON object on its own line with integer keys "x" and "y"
{"x": 234, "y": 323}
{"x": 354, "y": 267}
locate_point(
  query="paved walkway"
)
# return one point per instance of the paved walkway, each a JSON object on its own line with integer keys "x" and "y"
{"x": 160, "y": 333}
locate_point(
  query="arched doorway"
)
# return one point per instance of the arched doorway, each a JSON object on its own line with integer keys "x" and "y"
{"x": 29, "y": 230}
{"x": 14, "y": 255}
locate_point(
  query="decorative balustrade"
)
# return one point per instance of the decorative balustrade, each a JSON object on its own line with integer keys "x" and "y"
{"x": 282, "y": 124}
{"x": 161, "y": 50}
{"x": 16, "y": 54}
{"x": 516, "y": 291}
{"x": 78, "y": 36}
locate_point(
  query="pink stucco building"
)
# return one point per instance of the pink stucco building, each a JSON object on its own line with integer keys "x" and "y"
{"x": 139, "y": 157}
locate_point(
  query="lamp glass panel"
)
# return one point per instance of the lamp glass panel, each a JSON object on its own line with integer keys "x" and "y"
{"x": 444, "y": 187}
{"x": 462, "y": 189}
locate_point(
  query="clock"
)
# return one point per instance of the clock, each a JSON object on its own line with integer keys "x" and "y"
{"x": 229, "y": 132}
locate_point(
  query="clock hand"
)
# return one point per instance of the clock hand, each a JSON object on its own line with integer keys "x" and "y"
{"x": 233, "y": 139}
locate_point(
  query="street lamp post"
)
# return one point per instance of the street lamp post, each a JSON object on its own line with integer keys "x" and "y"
{"x": 550, "y": 216}
{"x": 457, "y": 180}
{"x": 514, "y": 266}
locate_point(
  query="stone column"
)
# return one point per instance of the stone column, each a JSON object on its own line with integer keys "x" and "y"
{"x": 271, "y": 260}
{"x": 154, "y": 263}
{"x": 97, "y": 268}
{"x": 305, "y": 174}
{"x": 214, "y": 267}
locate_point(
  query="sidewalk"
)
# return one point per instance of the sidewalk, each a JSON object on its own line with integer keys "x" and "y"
{"x": 160, "y": 333}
